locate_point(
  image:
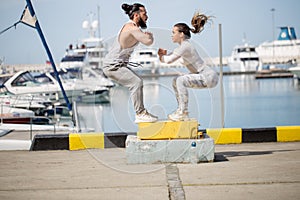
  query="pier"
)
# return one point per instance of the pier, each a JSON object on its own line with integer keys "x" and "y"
{"x": 242, "y": 164}
{"x": 211, "y": 61}
{"x": 253, "y": 170}
{"x": 10, "y": 69}
{"x": 270, "y": 74}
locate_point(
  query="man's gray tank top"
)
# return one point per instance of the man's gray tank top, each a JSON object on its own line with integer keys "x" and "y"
{"x": 116, "y": 54}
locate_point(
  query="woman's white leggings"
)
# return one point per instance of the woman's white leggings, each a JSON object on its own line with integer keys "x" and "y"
{"x": 207, "y": 78}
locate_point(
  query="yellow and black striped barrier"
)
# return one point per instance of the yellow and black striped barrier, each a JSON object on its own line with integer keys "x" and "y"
{"x": 78, "y": 141}
{"x": 248, "y": 135}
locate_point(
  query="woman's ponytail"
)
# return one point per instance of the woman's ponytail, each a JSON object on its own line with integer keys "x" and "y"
{"x": 198, "y": 22}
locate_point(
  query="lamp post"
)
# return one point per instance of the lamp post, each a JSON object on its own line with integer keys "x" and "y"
{"x": 273, "y": 32}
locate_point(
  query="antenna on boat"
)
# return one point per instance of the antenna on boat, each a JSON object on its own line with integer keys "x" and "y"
{"x": 244, "y": 38}
{"x": 91, "y": 25}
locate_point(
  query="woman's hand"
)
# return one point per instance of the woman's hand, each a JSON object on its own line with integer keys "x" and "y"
{"x": 161, "y": 52}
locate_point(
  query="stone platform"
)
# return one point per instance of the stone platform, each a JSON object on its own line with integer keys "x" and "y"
{"x": 169, "y": 151}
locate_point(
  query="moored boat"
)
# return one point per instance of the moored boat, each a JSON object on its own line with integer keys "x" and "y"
{"x": 283, "y": 50}
{"x": 24, "y": 82}
{"x": 88, "y": 51}
{"x": 145, "y": 60}
{"x": 11, "y": 115}
{"x": 295, "y": 71}
{"x": 243, "y": 59}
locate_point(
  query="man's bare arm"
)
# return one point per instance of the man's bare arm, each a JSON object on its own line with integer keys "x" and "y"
{"x": 145, "y": 38}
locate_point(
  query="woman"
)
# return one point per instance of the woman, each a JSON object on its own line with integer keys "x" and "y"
{"x": 200, "y": 76}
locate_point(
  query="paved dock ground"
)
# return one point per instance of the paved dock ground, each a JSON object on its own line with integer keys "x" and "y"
{"x": 240, "y": 171}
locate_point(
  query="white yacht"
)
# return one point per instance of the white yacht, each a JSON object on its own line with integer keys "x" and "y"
{"x": 243, "y": 59}
{"x": 87, "y": 76}
{"x": 24, "y": 82}
{"x": 12, "y": 115}
{"x": 23, "y": 109}
{"x": 88, "y": 51}
{"x": 72, "y": 61}
{"x": 26, "y": 101}
{"x": 296, "y": 71}
{"x": 145, "y": 60}
{"x": 85, "y": 59}
{"x": 283, "y": 50}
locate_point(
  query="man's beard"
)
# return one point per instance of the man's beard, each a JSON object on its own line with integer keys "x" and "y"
{"x": 142, "y": 24}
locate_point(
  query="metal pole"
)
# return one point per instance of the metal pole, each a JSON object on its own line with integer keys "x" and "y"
{"x": 76, "y": 118}
{"x": 98, "y": 15}
{"x": 29, "y": 105}
{"x": 273, "y": 32}
{"x": 37, "y": 26}
{"x": 1, "y": 114}
{"x": 221, "y": 76}
{"x": 31, "y": 128}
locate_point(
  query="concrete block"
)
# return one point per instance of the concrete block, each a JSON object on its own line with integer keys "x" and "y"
{"x": 78, "y": 141}
{"x": 167, "y": 129}
{"x": 225, "y": 135}
{"x": 259, "y": 134}
{"x": 50, "y": 142}
{"x": 169, "y": 151}
{"x": 115, "y": 140}
{"x": 288, "y": 133}
{"x": 13, "y": 145}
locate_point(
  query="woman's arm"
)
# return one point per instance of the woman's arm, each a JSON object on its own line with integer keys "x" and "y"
{"x": 169, "y": 58}
{"x": 163, "y": 57}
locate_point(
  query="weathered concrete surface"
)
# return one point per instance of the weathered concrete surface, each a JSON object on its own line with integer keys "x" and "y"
{"x": 241, "y": 171}
{"x": 247, "y": 171}
{"x": 169, "y": 151}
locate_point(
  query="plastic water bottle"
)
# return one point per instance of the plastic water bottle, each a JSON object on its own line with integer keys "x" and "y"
{"x": 193, "y": 153}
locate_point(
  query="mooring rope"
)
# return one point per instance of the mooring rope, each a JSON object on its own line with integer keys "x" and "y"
{"x": 14, "y": 25}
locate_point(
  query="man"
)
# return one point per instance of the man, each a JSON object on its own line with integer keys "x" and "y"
{"x": 117, "y": 59}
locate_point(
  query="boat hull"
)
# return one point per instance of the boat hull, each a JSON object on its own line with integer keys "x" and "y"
{"x": 46, "y": 86}
{"x": 243, "y": 59}
{"x": 295, "y": 71}
{"x": 243, "y": 66}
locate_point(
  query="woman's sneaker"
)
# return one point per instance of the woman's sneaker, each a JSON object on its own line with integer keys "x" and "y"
{"x": 178, "y": 115}
{"x": 145, "y": 117}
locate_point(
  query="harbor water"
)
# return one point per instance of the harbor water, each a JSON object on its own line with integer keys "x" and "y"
{"x": 248, "y": 103}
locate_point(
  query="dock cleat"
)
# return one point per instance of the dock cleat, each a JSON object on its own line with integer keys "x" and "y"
{"x": 145, "y": 117}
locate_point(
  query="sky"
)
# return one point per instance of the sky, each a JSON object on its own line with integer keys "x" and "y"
{"x": 61, "y": 23}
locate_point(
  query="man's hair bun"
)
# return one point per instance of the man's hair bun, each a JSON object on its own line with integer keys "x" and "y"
{"x": 131, "y": 9}
{"x": 127, "y": 8}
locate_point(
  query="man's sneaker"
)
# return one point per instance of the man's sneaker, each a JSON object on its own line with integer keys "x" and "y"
{"x": 178, "y": 115}
{"x": 145, "y": 117}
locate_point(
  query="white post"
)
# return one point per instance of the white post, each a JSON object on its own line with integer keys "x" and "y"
{"x": 221, "y": 76}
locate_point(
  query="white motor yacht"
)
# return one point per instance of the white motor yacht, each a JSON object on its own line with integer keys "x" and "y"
{"x": 24, "y": 82}
{"x": 89, "y": 51}
{"x": 243, "y": 59}
{"x": 145, "y": 60}
{"x": 295, "y": 71}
